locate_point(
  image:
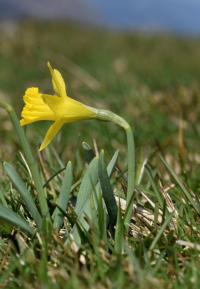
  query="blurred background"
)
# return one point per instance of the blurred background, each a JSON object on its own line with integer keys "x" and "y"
{"x": 140, "y": 59}
{"x": 179, "y": 16}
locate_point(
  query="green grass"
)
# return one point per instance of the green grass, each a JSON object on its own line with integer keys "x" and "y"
{"x": 153, "y": 82}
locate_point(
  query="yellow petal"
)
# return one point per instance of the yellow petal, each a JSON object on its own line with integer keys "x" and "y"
{"x": 54, "y": 102}
{"x": 58, "y": 82}
{"x": 52, "y": 131}
{"x": 68, "y": 110}
{"x": 35, "y": 108}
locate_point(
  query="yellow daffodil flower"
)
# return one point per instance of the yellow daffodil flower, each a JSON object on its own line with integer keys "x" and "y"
{"x": 59, "y": 108}
{"x": 62, "y": 109}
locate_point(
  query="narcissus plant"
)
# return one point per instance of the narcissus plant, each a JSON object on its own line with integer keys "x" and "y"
{"x": 61, "y": 109}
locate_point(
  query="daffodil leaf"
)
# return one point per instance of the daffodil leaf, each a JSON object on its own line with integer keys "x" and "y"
{"x": 24, "y": 193}
{"x": 87, "y": 185}
{"x": 63, "y": 197}
{"x": 107, "y": 192}
{"x": 119, "y": 232}
{"x": 6, "y": 214}
{"x": 83, "y": 202}
{"x": 88, "y": 152}
{"x": 90, "y": 188}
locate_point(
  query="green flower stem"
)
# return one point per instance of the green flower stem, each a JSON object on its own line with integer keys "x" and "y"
{"x": 110, "y": 116}
{"x": 32, "y": 163}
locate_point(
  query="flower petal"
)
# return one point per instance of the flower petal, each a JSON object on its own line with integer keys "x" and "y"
{"x": 58, "y": 82}
{"x": 35, "y": 108}
{"x": 54, "y": 102}
{"x": 52, "y": 131}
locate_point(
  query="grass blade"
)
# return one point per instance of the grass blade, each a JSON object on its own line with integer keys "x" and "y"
{"x": 119, "y": 232}
{"x": 87, "y": 185}
{"x": 102, "y": 219}
{"x": 63, "y": 197}
{"x": 112, "y": 163}
{"x": 88, "y": 152}
{"x": 102, "y": 215}
{"x": 30, "y": 159}
{"x": 160, "y": 232}
{"x": 24, "y": 193}
{"x": 82, "y": 207}
{"x": 182, "y": 187}
{"x": 142, "y": 161}
{"x": 131, "y": 167}
{"x": 2, "y": 199}
{"x": 107, "y": 192}
{"x": 11, "y": 217}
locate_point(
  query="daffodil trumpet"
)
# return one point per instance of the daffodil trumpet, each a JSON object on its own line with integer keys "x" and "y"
{"x": 61, "y": 109}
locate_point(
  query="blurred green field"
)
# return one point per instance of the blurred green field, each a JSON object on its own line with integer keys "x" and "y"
{"x": 151, "y": 80}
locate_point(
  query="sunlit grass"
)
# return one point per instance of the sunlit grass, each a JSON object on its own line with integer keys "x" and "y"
{"x": 154, "y": 83}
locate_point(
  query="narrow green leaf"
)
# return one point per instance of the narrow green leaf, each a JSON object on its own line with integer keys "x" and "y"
{"x": 119, "y": 232}
{"x": 11, "y": 217}
{"x": 24, "y": 193}
{"x": 88, "y": 152}
{"x": 32, "y": 164}
{"x": 87, "y": 185}
{"x": 2, "y": 199}
{"x": 131, "y": 168}
{"x": 82, "y": 207}
{"x": 128, "y": 212}
{"x": 141, "y": 163}
{"x": 160, "y": 232}
{"x": 153, "y": 184}
{"x": 63, "y": 197}
{"x": 107, "y": 192}
{"x": 112, "y": 163}
{"x": 30, "y": 159}
{"x": 79, "y": 232}
{"x": 181, "y": 185}
{"x": 53, "y": 176}
{"x": 102, "y": 221}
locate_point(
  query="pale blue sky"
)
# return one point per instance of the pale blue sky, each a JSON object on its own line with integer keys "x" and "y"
{"x": 178, "y": 15}
{"x": 169, "y": 15}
